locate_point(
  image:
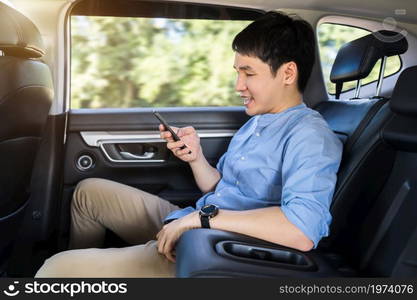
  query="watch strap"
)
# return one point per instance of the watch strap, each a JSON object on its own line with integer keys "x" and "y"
{"x": 205, "y": 223}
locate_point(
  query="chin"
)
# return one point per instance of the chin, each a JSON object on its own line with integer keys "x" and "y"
{"x": 253, "y": 111}
{"x": 250, "y": 112}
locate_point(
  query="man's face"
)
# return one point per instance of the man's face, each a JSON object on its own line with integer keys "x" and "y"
{"x": 258, "y": 88}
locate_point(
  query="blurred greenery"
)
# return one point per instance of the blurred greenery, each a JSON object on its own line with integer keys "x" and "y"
{"x": 144, "y": 62}
{"x": 331, "y": 37}
{"x": 140, "y": 62}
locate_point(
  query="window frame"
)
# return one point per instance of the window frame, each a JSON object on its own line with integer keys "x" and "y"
{"x": 68, "y": 38}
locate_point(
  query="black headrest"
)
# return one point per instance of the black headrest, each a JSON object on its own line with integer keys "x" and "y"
{"x": 356, "y": 59}
{"x": 18, "y": 35}
{"x": 404, "y": 97}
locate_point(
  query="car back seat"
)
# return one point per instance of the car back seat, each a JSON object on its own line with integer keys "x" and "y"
{"x": 384, "y": 239}
{"x": 26, "y": 93}
{"x": 356, "y": 121}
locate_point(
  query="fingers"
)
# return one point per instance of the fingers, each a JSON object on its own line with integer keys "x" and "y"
{"x": 165, "y": 246}
{"x": 170, "y": 257}
{"x": 182, "y": 152}
{"x": 167, "y": 251}
{"x": 162, "y": 128}
{"x": 173, "y": 145}
{"x": 168, "y": 248}
{"x": 179, "y": 131}
{"x": 165, "y": 134}
{"x": 161, "y": 241}
{"x": 179, "y": 148}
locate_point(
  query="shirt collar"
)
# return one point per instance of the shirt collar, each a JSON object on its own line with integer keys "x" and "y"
{"x": 266, "y": 119}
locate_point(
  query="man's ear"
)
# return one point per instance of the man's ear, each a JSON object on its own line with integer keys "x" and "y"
{"x": 290, "y": 72}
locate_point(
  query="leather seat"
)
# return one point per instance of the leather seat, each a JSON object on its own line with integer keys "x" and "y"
{"x": 26, "y": 93}
{"x": 352, "y": 199}
{"x": 390, "y": 231}
{"x": 379, "y": 237}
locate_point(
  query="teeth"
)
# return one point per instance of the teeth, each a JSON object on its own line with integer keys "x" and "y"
{"x": 246, "y": 100}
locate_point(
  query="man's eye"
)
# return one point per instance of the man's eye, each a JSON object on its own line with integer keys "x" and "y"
{"x": 250, "y": 74}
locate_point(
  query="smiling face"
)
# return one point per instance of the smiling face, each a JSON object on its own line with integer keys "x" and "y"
{"x": 262, "y": 92}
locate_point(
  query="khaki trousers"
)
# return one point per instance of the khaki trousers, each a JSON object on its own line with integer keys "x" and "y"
{"x": 132, "y": 214}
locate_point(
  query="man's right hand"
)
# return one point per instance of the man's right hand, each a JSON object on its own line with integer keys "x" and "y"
{"x": 189, "y": 138}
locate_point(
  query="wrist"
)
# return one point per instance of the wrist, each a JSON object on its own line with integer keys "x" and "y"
{"x": 192, "y": 221}
{"x": 199, "y": 158}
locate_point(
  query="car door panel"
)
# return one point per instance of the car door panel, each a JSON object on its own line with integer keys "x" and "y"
{"x": 106, "y": 135}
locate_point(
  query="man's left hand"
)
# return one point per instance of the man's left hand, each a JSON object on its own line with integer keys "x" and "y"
{"x": 171, "y": 232}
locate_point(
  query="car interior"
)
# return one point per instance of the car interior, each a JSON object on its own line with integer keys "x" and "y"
{"x": 48, "y": 145}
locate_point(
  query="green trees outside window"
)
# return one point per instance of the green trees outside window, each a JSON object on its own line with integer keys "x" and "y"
{"x": 143, "y": 62}
{"x": 122, "y": 62}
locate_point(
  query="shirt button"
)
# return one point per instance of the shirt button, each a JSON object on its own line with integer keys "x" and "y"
{"x": 242, "y": 158}
{"x": 237, "y": 182}
{"x": 257, "y": 134}
{"x": 218, "y": 194}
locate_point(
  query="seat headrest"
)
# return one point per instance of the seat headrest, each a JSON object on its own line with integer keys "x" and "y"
{"x": 404, "y": 97}
{"x": 18, "y": 35}
{"x": 356, "y": 59}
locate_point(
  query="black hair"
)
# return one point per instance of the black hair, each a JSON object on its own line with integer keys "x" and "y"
{"x": 276, "y": 38}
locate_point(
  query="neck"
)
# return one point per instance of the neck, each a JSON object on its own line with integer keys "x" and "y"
{"x": 288, "y": 100}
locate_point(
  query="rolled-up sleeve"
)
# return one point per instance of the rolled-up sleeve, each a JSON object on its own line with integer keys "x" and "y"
{"x": 311, "y": 161}
{"x": 220, "y": 163}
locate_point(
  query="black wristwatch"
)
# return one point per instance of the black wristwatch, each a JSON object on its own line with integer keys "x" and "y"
{"x": 206, "y": 213}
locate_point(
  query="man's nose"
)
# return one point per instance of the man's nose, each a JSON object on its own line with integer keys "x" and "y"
{"x": 240, "y": 84}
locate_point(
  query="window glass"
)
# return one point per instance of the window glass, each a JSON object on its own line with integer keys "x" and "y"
{"x": 123, "y": 62}
{"x": 331, "y": 37}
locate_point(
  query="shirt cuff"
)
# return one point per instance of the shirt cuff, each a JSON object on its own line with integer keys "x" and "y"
{"x": 178, "y": 214}
{"x": 168, "y": 221}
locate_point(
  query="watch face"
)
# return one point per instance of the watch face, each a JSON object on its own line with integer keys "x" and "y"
{"x": 209, "y": 210}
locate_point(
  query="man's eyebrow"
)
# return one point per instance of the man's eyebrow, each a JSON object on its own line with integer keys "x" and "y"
{"x": 244, "y": 68}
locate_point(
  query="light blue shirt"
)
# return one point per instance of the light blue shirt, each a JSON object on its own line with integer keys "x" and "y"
{"x": 287, "y": 159}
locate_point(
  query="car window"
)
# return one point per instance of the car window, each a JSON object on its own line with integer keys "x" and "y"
{"x": 331, "y": 37}
{"x": 122, "y": 62}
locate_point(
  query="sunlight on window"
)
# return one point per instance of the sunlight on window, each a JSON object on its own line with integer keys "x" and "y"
{"x": 143, "y": 62}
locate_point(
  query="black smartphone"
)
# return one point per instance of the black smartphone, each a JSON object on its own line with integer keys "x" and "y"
{"x": 167, "y": 127}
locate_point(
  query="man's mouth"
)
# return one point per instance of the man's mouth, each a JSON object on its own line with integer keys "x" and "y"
{"x": 247, "y": 100}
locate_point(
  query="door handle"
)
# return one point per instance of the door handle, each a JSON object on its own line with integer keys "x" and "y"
{"x": 146, "y": 155}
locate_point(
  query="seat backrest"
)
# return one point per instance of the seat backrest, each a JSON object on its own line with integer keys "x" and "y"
{"x": 380, "y": 233}
{"x": 25, "y": 98}
{"x": 358, "y": 123}
{"x": 386, "y": 244}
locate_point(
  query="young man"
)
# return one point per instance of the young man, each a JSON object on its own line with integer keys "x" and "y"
{"x": 275, "y": 182}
